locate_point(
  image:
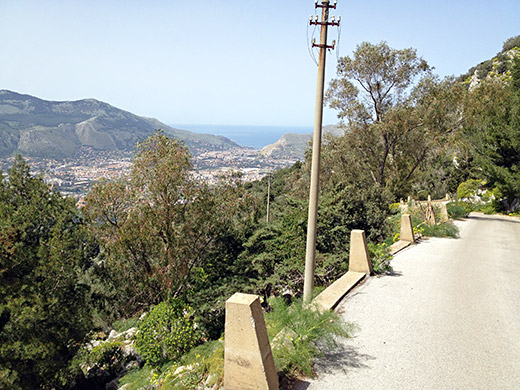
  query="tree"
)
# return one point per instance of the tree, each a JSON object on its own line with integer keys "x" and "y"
{"x": 159, "y": 227}
{"x": 385, "y": 76}
{"x": 398, "y": 115}
{"x": 493, "y": 129}
{"x": 45, "y": 302}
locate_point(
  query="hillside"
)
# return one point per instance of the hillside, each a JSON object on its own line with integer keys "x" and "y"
{"x": 40, "y": 128}
{"x": 498, "y": 65}
{"x": 293, "y": 146}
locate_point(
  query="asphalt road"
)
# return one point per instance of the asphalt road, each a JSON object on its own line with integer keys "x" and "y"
{"x": 447, "y": 318}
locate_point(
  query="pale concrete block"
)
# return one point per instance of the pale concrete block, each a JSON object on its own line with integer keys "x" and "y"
{"x": 399, "y": 246}
{"x": 359, "y": 260}
{"x": 248, "y": 360}
{"x": 406, "y": 233}
{"x": 329, "y": 298}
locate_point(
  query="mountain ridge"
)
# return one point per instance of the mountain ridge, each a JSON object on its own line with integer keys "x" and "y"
{"x": 41, "y": 128}
{"x": 293, "y": 145}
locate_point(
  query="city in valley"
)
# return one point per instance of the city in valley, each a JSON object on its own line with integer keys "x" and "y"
{"x": 74, "y": 176}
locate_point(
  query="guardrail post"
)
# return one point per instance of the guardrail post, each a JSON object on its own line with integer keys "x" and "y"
{"x": 248, "y": 360}
{"x": 359, "y": 260}
{"x": 406, "y": 233}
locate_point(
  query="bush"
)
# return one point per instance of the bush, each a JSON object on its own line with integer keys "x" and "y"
{"x": 458, "y": 210}
{"x": 468, "y": 188}
{"x": 380, "y": 256}
{"x": 303, "y": 333}
{"x": 446, "y": 229}
{"x": 166, "y": 333}
{"x": 511, "y": 43}
{"x": 107, "y": 356}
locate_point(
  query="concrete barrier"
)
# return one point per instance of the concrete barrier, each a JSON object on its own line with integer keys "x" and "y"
{"x": 406, "y": 236}
{"x": 406, "y": 232}
{"x": 248, "y": 359}
{"x": 359, "y": 258}
{"x": 359, "y": 267}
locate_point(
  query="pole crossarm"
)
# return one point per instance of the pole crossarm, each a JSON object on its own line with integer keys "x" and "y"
{"x": 325, "y": 46}
{"x": 325, "y": 4}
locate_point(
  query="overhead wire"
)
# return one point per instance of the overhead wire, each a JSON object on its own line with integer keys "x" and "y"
{"x": 337, "y": 42}
{"x": 309, "y": 46}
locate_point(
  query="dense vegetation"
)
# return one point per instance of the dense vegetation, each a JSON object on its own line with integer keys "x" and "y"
{"x": 46, "y": 294}
{"x": 158, "y": 241}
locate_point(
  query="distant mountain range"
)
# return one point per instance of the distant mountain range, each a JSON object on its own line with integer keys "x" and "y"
{"x": 293, "y": 146}
{"x": 41, "y": 128}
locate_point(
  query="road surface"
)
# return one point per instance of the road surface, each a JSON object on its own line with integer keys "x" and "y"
{"x": 447, "y": 318}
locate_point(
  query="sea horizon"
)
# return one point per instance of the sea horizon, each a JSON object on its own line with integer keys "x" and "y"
{"x": 253, "y": 136}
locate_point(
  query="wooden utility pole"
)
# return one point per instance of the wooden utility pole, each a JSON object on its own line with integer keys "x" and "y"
{"x": 310, "y": 254}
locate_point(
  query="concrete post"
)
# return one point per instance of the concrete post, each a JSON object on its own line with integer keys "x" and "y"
{"x": 359, "y": 260}
{"x": 406, "y": 233}
{"x": 248, "y": 360}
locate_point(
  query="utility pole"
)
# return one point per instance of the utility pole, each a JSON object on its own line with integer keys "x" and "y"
{"x": 310, "y": 254}
{"x": 268, "y": 197}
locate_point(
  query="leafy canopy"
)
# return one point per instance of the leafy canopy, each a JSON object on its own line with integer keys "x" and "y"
{"x": 45, "y": 301}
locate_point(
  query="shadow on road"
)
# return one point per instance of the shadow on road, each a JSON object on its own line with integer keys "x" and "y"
{"x": 391, "y": 272}
{"x": 340, "y": 359}
{"x": 496, "y": 218}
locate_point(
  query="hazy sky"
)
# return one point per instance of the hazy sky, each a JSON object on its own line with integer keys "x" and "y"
{"x": 222, "y": 61}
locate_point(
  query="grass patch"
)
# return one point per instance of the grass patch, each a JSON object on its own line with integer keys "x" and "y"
{"x": 138, "y": 379}
{"x": 445, "y": 229}
{"x": 300, "y": 334}
{"x": 124, "y": 324}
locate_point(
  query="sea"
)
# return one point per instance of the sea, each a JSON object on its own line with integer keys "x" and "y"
{"x": 246, "y": 135}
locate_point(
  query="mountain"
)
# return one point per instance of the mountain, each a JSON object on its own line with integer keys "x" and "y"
{"x": 293, "y": 146}
{"x": 41, "y": 128}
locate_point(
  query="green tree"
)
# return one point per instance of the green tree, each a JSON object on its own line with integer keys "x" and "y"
{"x": 511, "y": 43}
{"x": 45, "y": 301}
{"x": 493, "y": 129}
{"x": 397, "y": 113}
{"x": 159, "y": 227}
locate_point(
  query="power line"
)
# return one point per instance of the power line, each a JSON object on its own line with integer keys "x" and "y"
{"x": 309, "y": 47}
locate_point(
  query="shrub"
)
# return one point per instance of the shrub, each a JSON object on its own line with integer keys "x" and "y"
{"x": 306, "y": 333}
{"x": 166, "y": 333}
{"x": 457, "y": 210}
{"x": 446, "y": 229}
{"x": 511, "y": 43}
{"x": 380, "y": 256}
{"x": 107, "y": 356}
{"x": 468, "y": 188}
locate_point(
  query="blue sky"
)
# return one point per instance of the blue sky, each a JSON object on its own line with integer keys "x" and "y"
{"x": 224, "y": 62}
